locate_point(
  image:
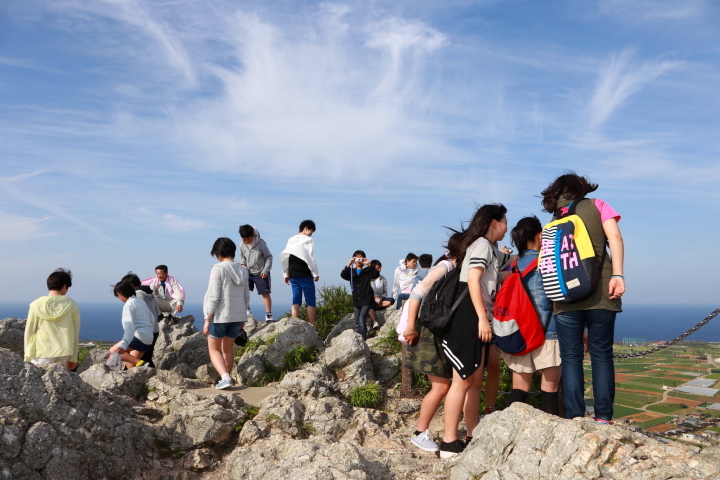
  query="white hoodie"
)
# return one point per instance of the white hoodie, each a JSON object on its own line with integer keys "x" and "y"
{"x": 301, "y": 246}
{"x": 227, "y": 296}
{"x": 404, "y": 278}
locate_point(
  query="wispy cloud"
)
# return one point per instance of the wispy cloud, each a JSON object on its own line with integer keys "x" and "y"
{"x": 620, "y": 79}
{"x": 653, "y": 9}
{"x": 166, "y": 221}
{"x": 18, "y": 228}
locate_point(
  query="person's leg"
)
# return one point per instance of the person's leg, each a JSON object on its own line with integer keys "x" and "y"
{"x": 386, "y": 303}
{"x": 471, "y": 409}
{"x": 492, "y": 382}
{"x": 361, "y": 320}
{"x": 601, "y": 333}
{"x": 215, "y": 347}
{"x": 163, "y": 305}
{"x": 549, "y": 386}
{"x": 149, "y": 354}
{"x": 371, "y": 314}
{"x": 454, "y": 402}
{"x": 431, "y": 402}
{"x": 309, "y": 292}
{"x": 227, "y": 352}
{"x": 268, "y": 303}
{"x": 311, "y": 315}
{"x": 521, "y": 388}
{"x": 131, "y": 357}
{"x": 296, "y": 297}
{"x": 400, "y": 300}
{"x": 570, "y": 327}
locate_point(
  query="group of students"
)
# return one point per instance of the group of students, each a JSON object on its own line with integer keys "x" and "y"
{"x": 455, "y": 361}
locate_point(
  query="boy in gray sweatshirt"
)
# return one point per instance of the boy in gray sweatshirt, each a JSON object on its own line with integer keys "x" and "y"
{"x": 256, "y": 257}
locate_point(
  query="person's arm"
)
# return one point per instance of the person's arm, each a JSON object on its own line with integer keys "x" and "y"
{"x": 178, "y": 291}
{"x": 243, "y": 259}
{"x": 72, "y": 362}
{"x": 410, "y": 333}
{"x": 212, "y": 297}
{"x": 345, "y": 273}
{"x": 396, "y": 284}
{"x": 475, "y": 290}
{"x": 374, "y": 274}
{"x": 617, "y": 253}
{"x": 268, "y": 258}
{"x": 30, "y": 329}
{"x": 417, "y": 296}
{"x": 128, "y": 327}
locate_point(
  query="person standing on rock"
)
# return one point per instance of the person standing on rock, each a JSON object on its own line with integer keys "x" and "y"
{"x": 300, "y": 269}
{"x": 403, "y": 279}
{"x": 52, "y": 329}
{"x": 169, "y": 294}
{"x": 225, "y": 308}
{"x": 527, "y": 237}
{"x": 360, "y": 274}
{"x": 468, "y": 337}
{"x": 144, "y": 292}
{"x": 597, "y": 312}
{"x": 256, "y": 257}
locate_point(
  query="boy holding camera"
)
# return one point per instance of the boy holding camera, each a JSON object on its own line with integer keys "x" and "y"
{"x": 360, "y": 275}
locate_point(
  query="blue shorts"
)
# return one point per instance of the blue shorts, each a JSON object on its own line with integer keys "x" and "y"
{"x": 136, "y": 344}
{"x": 263, "y": 284}
{"x": 220, "y": 330}
{"x": 303, "y": 286}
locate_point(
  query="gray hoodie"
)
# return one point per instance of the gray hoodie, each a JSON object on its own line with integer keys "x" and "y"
{"x": 227, "y": 296}
{"x": 256, "y": 256}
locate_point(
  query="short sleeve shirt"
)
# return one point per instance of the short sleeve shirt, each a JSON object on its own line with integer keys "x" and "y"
{"x": 483, "y": 254}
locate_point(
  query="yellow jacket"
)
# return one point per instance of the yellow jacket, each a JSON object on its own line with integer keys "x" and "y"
{"x": 53, "y": 328}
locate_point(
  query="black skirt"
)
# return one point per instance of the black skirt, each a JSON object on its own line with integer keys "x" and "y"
{"x": 461, "y": 345}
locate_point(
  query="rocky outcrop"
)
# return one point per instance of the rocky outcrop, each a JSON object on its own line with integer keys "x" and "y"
{"x": 315, "y": 381}
{"x": 96, "y": 356}
{"x": 346, "y": 323}
{"x": 12, "y": 335}
{"x": 55, "y": 426}
{"x": 191, "y": 351}
{"x": 524, "y": 443}
{"x": 349, "y": 356}
{"x": 172, "y": 332}
{"x": 131, "y": 383}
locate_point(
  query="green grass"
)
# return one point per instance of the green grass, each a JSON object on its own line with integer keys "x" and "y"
{"x": 639, "y": 386}
{"x": 254, "y": 344}
{"x": 334, "y": 302}
{"x": 652, "y": 380}
{"x": 389, "y": 343}
{"x": 652, "y": 423}
{"x": 686, "y": 396}
{"x": 420, "y": 382}
{"x": 635, "y": 400}
{"x": 713, "y": 376}
{"x": 367, "y": 396}
{"x": 250, "y": 413}
{"x": 620, "y": 411}
{"x": 293, "y": 360}
{"x": 667, "y": 407}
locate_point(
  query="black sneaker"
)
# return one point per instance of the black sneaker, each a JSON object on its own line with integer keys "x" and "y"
{"x": 451, "y": 449}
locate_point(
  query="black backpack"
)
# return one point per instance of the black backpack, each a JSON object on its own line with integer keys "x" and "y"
{"x": 441, "y": 302}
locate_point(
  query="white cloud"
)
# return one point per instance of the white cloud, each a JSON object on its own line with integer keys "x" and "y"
{"x": 619, "y": 79}
{"x": 167, "y": 221}
{"x": 653, "y": 9}
{"x": 17, "y": 228}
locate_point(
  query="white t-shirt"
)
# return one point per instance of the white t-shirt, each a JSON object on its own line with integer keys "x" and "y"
{"x": 484, "y": 254}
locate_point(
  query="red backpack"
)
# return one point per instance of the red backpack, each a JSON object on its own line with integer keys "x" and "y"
{"x": 516, "y": 323}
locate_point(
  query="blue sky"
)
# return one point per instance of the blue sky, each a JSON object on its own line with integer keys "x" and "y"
{"x": 134, "y": 133}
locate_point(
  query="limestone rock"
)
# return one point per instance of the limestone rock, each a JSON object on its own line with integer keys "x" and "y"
{"x": 96, "y": 356}
{"x": 250, "y": 369}
{"x": 199, "y": 459}
{"x": 55, "y": 426}
{"x": 357, "y": 374}
{"x": 345, "y": 349}
{"x": 129, "y": 382}
{"x": 207, "y": 374}
{"x": 184, "y": 370}
{"x": 404, "y": 405}
{"x": 172, "y": 332}
{"x": 291, "y": 333}
{"x": 253, "y": 326}
{"x": 283, "y": 413}
{"x": 191, "y": 350}
{"x": 386, "y": 369}
{"x": 524, "y": 443}
{"x": 346, "y": 323}
{"x": 316, "y": 380}
{"x": 320, "y": 457}
{"x": 12, "y": 335}
{"x": 169, "y": 377}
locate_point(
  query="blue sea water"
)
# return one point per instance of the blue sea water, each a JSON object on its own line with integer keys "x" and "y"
{"x": 101, "y": 321}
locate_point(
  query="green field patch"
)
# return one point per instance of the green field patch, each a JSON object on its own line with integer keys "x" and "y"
{"x": 629, "y": 399}
{"x": 687, "y": 396}
{"x": 621, "y": 411}
{"x": 640, "y": 386}
{"x": 652, "y": 423}
{"x": 666, "y": 407}
{"x": 648, "y": 380}
{"x": 713, "y": 376}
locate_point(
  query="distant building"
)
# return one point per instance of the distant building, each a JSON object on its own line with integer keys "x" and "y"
{"x": 696, "y": 439}
{"x": 714, "y": 406}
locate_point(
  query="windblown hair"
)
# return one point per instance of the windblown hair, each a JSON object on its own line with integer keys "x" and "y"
{"x": 306, "y": 224}
{"x": 525, "y": 231}
{"x": 224, "y": 248}
{"x": 425, "y": 260}
{"x": 570, "y": 185}
{"x": 132, "y": 279}
{"x": 59, "y": 278}
{"x": 124, "y": 289}
{"x": 460, "y": 240}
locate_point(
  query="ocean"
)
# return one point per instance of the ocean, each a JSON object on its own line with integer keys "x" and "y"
{"x": 101, "y": 321}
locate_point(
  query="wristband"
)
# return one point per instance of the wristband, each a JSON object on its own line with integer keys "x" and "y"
{"x": 618, "y": 276}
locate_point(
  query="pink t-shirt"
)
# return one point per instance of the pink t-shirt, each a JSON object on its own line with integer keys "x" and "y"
{"x": 606, "y": 211}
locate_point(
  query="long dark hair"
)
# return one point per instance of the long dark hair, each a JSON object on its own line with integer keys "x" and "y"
{"x": 524, "y": 232}
{"x": 460, "y": 240}
{"x": 571, "y": 185}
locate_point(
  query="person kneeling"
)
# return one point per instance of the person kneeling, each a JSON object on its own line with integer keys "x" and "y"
{"x": 138, "y": 324}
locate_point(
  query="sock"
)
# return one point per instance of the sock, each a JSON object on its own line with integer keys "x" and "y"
{"x": 417, "y": 432}
{"x": 517, "y": 395}
{"x": 226, "y": 376}
{"x": 549, "y": 402}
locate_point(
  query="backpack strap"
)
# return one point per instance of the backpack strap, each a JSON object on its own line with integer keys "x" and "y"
{"x": 465, "y": 292}
{"x": 533, "y": 265}
{"x": 568, "y": 209}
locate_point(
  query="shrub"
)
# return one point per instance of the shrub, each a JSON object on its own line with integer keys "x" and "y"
{"x": 250, "y": 413}
{"x": 367, "y": 396}
{"x": 389, "y": 343}
{"x": 334, "y": 302}
{"x": 420, "y": 382}
{"x": 293, "y": 360}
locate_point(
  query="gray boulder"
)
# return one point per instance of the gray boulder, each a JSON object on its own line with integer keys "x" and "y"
{"x": 172, "y": 332}
{"x": 191, "y": 350}
{"x": 316, "y": 381}
{"x": 12, "y": 335}
{"x": 130, "y": 383}
{"x": 202, "y": 420}
{"x": 359, "y": 373}
{"x": 55, "y": 426}
{"x": 290, "y": 334}
{"x": 96, "y": 356}
{"x": 347, "y": 323}
{"x": 521, "y": 442}
{"x": 207, "y": 374}
{"x": 250, "y": 369}
{"x": 345, "y": 349}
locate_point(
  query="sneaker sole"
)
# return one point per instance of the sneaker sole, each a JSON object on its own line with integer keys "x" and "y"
{"x": 425, "y": 449}
{"x": 223, "y": 387}
{"x": 445, "y": 455}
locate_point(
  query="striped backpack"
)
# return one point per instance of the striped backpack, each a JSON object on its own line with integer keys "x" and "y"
{"x": 569, "y": 267}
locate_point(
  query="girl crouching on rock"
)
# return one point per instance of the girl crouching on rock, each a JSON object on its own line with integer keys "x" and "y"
{"x": 138, "y": 325}
{"x": 527, "y": 237}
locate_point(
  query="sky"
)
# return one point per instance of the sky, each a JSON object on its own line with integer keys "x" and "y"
{"x": 134, "y": 133}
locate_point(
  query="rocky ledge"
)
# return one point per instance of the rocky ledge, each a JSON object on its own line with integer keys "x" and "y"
{"x": 165, "y": 424}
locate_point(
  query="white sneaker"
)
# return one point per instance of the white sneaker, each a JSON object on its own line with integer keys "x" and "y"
{"x": 424, "y": 442}
{"x": 249, "y": 314}
{"x": 269, "y": 317}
